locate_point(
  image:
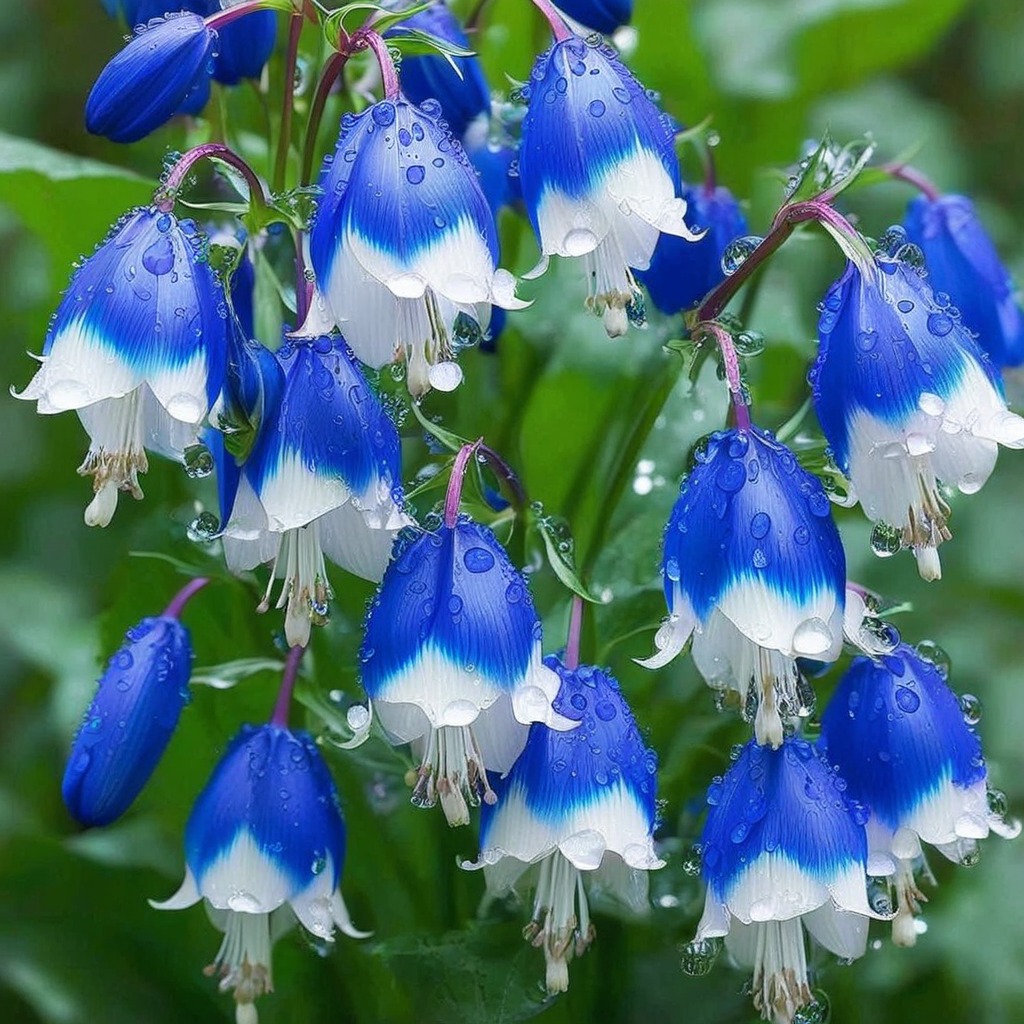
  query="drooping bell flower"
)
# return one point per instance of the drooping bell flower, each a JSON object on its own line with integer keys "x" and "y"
{"x": 907, "y": 401}
{"x": 131, "y": 718}
{"x": 266, "y": 834}
{"x": 754, "y": 571}
{"x": 783, "y": 850}
{"x": 161, "y": 70}
{"x": 898, "y": 735}
{"x": 598, "y": 170}
{"x": 451, "y": 659}
{"x": 577, "y": 810}
{"x": 600, "y": 15}
{"x": 323, "y": 479}
{"x": 458, "y": 84}
{"x": 404, "y": 242}
{"x": 137, "y": 347}
{"x": 963, "y": 264}
{"x": 682, "y": 271}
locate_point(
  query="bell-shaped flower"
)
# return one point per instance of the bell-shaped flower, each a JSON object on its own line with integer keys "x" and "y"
{"x": 600, "y": 15}
{"x": 130, "y": 721}
{"x": 681, "y": 271}
{"x": 451, "y": 659}
{"x": 963, "y": 263}
{"x": 137, "y": 347}
{"x": 577, "y": 811}
{"x": 264, "y": 835}
{"x": 598, "y": 170}
{"x": 404, "y": 242}
{"x": 907, "y": 401}
{"x": 158, "y": 73}
{"x": 323, "y": 478}
{"x": 783, "y": 849}
{"x": 898, "y": 735}
{"x": 458, "y": 83}
{"x": 754, "y": 571}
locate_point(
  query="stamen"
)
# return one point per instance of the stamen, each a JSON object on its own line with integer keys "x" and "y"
{"x": 908, "y": 904}
{"x": 453, "y": 770}
{"x": 243, "y": 961}
{"x": 305, "y": 592}
{"x": 780, "y": 969}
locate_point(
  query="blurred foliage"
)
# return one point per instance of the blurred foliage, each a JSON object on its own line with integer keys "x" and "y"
{"x": 78, "y": 942}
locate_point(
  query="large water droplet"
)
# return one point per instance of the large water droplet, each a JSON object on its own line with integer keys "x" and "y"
{"x": 579, "y": 241}
{"x": 478, "y": 559}
{"x": 158, "y": 258}
{"x": 737, "y": 251}
{"x": 698, "y": 957}
{"x": 812, "y": 637}
{"x": 886, "y": 540}
{"x": 906, "y": 699}
{"x": 198, "y": 461}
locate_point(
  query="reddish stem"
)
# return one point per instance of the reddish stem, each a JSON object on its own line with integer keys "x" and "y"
{"x": 285, "y": 137}
{"x": 455, "y": 482}
{"x": 388, "y": 72}
{"x": 182, "y": 597}
{"x": 284, "y": 695}
{"x": 330, "y": 74}
{"x": 731, "y": 362}
{"x": 164, "y": 198}
{"x": 912, "y": 176}
{"x": 572, "y": 644}
{"x": 506, "y": 473}
{"x": 559, "y": 28}
{"x": 221, "y": 18}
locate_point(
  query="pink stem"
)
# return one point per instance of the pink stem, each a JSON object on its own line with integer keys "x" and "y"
{"x": 221, "y": 18}
{"x": 455, "y": 482}
{"x": 164, "y": 198}
{"x": 181, "y": 598}
{"x": 331, "y": 71}
{"x": 912, "y": 176}
{"x": 572, "y": 644}
{"x": 284, "y": 695}
{"x": 388, "y": 72}
{"x": 559, "y": 28}
{"x": 731, "y": 362}
{"x": 506, "y": 473}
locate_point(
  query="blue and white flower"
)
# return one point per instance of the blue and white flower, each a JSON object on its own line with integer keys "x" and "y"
{"x": 897, "y": 734}
{"x": 130, "y": 720}
{"x": 576, "y": 805}
{"x": 137, "y": 347}
{"x": 783, "y": 849}
{"x": 598, "y": 170}
{"x": 323, "y": 478}
{"x": 266, "y": 834}
{"x": 907, "y": 401}
{"x": 963, "y": 263}
{"x": 404, "y": 242}
{"x": 451, "y": 659}
{"x": 755, "y": 573}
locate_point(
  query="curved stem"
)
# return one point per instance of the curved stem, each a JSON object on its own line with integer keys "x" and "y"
{"x": 284, "y": 695}
{"x": 229, "y": 14}
{"x": 731, "y": 362}
{"x": 456, "y": 480}
{"x": 284, "y": 139}
{"x": 572, "y": 644}
{"x": 388, "y": 72}
{"x": 165, "y": 196}
{"x": 330, "y": 74}
{"x": 559, "y": 28}
{"x": 182, "y": 597}
{"x": 912, "y": 176}
{"x": 506, "y": 474}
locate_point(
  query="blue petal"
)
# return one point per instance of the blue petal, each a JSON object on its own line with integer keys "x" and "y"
{"x": 884, "y": 340}
{"x": 962, "y": 261}
{"x": 601, "y": 15}
{"x": 399, "y": 181}
{"x": 896, "y": 733}
{"x": 454, "y": 591}
{"x": 274, "y": 784}
{"x": 681, "y": 272}
{"x": 150, "y": 297}
{"x": 748, "y": 511}
{"x": 130, "y": 721}
{"x": 243, "y": 287}
{"x": 563, "y": 773}
{"x": 245, "y": 46}
{"x": 785, "y": 802}
{"x": 586, "y": 113}
{"x": 493, "y": 161}
{"x": 148, "y": 81}
{"x": 463, "y": 93}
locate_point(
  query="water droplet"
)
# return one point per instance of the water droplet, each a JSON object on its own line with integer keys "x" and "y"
{"x": 812, "y": 637}
{"x": 383, "y": 113}
{"x": 596, "y": 108}
{"x": 579, "y": 241}
{"x": 605, "y": 710}
{"x": 737, "y": 251}
{"x": 970, "y": 706}
{"x": 886, "y": 540}
{"x": 931, "y": 652}
{"x": 907, "y": 700}
{"x": 478, "y": 559}
{"x": 760, "y": 525}
{"x": 203, "y": 528}
{"x": 198, "y": 461}
{"x": 415, "y": 174}
{"x": 698, "y": 957}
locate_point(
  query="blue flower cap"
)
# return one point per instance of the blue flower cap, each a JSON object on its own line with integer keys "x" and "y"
{"x": 157, "y": 74}
{"x": 493, "y": 157}
{"x": 897, "y": 734}
{"x": 905, "y": 399}
{"x": 601, "y": 15}
{"x": 129, "y": 722}
{"x": 586, "y": 791}
{"x": 463, "y": 93}
{"x": 782, "y": 839}
{"x": 681, "y": 271}
{"x": 598, "y": 170}
{"x": 243, "y": 289}
{"x": 404, "y": 241}
{"x": 962, "y": 261}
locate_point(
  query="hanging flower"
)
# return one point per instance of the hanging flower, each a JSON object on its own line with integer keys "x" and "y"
{"x": 897, "y": 734}
{"x": 451, "y": 658}
{"x": 598, "y": 171}
{"x": 783, "y": 849}
{"x": 266, "y": 834}
{"x": 906, "y": 400}
{"x": 577, "y": 811}
{"x": 754, "y": 571}
{"x": 137, "y": 348}
{"x": 600, "y": 15}
{"x": 404, "y": 242}
{"x": 323, "y": 478}
{"x": 963, "y": 263}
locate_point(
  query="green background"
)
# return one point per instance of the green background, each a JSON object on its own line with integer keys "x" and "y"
{"x": 78, "y": 942}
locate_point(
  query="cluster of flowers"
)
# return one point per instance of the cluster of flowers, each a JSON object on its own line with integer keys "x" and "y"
{"x": 155, "y": 354}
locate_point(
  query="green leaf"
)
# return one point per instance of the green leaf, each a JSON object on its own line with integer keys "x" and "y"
{"x": 559, "y": 548}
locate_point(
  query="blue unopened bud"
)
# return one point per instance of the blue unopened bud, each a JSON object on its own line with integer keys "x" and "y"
{"x": 601, "y": 15}
{"x": 158, "y": 74}
{"x": 130, "y": 721}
